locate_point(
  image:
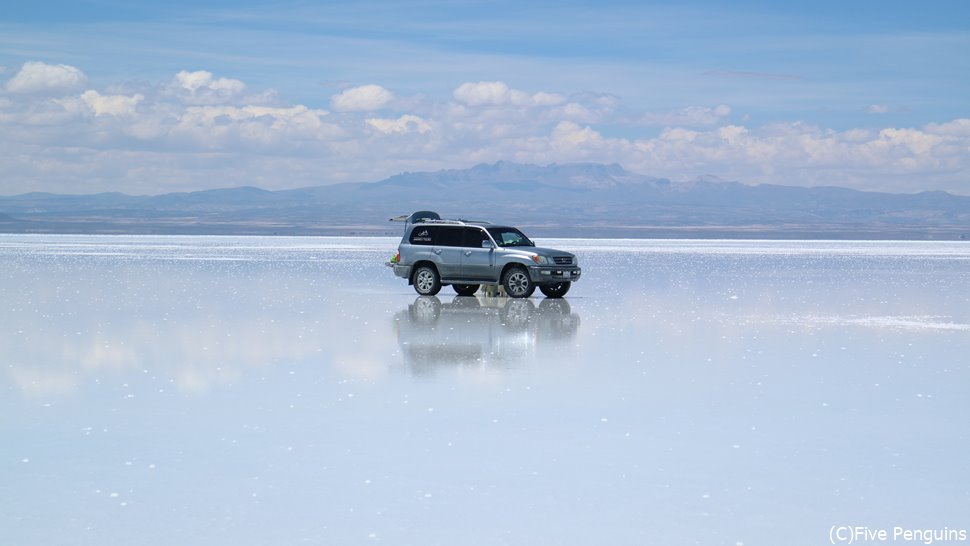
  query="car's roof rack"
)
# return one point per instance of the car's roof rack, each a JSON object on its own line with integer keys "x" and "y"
{"x": 452, "y": 221}
{"x": 431, "y": 217}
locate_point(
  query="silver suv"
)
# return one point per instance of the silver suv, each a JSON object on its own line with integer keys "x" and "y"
{"x": 467, "y": 254}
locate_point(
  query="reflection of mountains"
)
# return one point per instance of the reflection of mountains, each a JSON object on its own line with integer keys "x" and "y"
{"x": 481, "y": 331}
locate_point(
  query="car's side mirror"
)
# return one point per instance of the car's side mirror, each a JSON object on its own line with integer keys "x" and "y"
{"x": 487, "y": 244}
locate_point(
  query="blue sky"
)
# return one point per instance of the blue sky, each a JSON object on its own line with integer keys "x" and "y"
{"x": 174, "y": 96}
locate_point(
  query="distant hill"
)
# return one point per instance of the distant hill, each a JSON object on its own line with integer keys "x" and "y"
{"x": 586, "y": 200}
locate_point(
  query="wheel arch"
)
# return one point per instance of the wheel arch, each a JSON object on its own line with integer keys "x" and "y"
{"x": 509, "y": 266}
{"x": 417, "y": 265}
{"x": 527, "y": 286}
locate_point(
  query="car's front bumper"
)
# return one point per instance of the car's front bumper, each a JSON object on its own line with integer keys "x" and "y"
{"x": 549, "y": 274}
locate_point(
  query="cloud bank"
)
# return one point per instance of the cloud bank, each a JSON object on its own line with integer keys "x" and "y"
{"x": 42, "y": 78}
{"x": 361, "y": 99}
{"x": 200, "y": 130}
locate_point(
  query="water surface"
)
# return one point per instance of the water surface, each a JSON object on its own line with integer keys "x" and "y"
{"x": 250, "y": 391}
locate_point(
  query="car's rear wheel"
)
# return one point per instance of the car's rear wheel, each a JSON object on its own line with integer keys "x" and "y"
{"x": 465, "y": 289}
{"x": 426, "y": 281}
{"x": 555, "y": 290}
{"x": 518, "y": 283}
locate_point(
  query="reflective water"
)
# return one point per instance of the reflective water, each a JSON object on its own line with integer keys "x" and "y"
{"x": 238, "y": 391}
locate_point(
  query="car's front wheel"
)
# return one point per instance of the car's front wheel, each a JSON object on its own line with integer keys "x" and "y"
{"x": 426, "y": 281}
{"x": 465, "y": 289}
{"x": 518, "y": 283}
{"x": 556, "y": 290}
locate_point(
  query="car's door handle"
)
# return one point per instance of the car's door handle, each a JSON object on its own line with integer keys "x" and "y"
{"x": 468, "y": 253}
{"x": 437, "y": 251}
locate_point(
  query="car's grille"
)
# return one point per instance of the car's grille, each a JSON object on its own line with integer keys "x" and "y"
{"x": 563, "y": 260}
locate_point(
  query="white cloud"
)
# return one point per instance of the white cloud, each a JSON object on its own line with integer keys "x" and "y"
{"x": 806, "y": 155}
{"x": 365, "y": 98}
{"x": 202, "y": 87}
{"x": 499, "y": 94}
{"x": 877, "y": 109}
{"x": 402, "y": 125}
{"x": 587, "y": 108}
{"x": 219, "y": 126}
{"x": 477, "y": 94}
{"x": 678, "y": 134}
{"x": 210, "y": 114}
{"x": 956, "y": 128}
{"x": 857, "y": 135}
{"x": 577, "y": 112}
{"x": 200, "y": 131}
{"x": 115, "y": 105}
{"x": 545, "y": 99}
{"x": 43, "y": 78}
{"x": 570, "y": 135}
{"x": 914, "y": 141}
{"x": 201, "y": 79}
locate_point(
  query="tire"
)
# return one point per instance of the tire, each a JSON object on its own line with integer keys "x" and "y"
{"x": 425, "y": 310}
{"x": 465, "y": 289}
{"x": 426, "y": 281}
{"x": 517, "y": 314}
{"x": 556, "y": 290}
{"x": 518, "y": 283}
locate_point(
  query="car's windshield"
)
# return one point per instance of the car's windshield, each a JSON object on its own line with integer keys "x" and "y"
{"x": 509, "y": 237}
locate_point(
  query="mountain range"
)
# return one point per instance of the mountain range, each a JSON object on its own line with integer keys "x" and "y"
{"x": 571, "y": 200}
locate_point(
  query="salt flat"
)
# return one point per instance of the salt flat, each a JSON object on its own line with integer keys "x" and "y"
{"x": 247, "y": 390}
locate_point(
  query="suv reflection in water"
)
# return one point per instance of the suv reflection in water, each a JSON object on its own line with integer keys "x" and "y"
{"x": 488, "y": 332}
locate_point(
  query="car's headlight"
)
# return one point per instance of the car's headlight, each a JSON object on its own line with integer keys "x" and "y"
{"x": 540, "y": 260}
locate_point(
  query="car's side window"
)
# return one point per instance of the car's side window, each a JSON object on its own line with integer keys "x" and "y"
{"x": 473, "y": 237}
{"x": 423, "y": 235}
{"x": 448, "y": 236}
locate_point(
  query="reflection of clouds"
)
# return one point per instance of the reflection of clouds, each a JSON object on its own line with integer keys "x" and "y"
{"x": 82, "y": 315}
{"x": 192, "y": 352}
{"x": 52, "y": 362}
{"x": 480, "y": 333}
{"x": 901, "y": 322}
{"x": 363, "y": 362}
{"x": 41, "y": 383}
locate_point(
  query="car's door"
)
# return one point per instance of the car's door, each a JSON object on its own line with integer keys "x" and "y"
{"x": 447, "y": 249}
{"x": 477, "y": 261}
